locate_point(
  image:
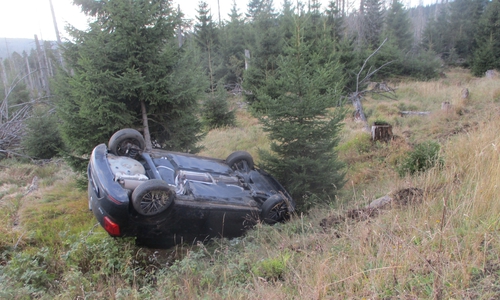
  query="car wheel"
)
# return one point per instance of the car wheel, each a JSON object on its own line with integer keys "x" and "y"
{"x": 274, "y": 210}
{"x": 126, "y": 142}
{"x": 152, "y": 197}
{"x": 240, "y": 161}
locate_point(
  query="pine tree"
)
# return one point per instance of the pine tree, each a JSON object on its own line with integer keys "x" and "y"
{"x": 265, "y": 45}
{"x": 123, "y": 69}
{"x": 303, "y": 132}
{"x": 372, "y": 21}
{"x": 437, "y": 34}
{"x": 233, "y": 48}
{"x": 287, "y": 21}
{"x": 41, "y": 138}
{"x": 207, "y": 40}
{"x": 334, "y": 22}
{"x": 487, "y": 53}
{"x": 464, "y": 24}
{"x": 398, "y": 26}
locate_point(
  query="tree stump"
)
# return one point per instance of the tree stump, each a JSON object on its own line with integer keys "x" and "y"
{"x": 446, "y": 106}
{"x": 465, "y": 93}
{"x": 491, "y": 74}
{"x": 381, "y": 132}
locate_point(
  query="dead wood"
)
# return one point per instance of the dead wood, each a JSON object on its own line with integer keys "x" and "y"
{"x": 401, "y": 198}
{"x": 414, "y": 113}
{"x": 356, "y": 96}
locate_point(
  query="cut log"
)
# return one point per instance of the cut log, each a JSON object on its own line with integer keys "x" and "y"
{"x": 414, "y": 113}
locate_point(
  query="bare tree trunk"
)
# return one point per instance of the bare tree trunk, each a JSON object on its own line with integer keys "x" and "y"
{"x": 30, "y": 80}
{"x": 247, "y": 58}
{"x": 47, "y": 62}
{"x": 179, "y": 29}
{"x": 210, "y": 68}
{"x": 357, "y": 95}
{"x": 359, "y": 113}
{"x": 4, "y": 77}
{"x": 4, "y": 107}
{"x": 218, "y": 7}
{"x": 58, "y": 37}
{"x": 43, "y": 69}
{"x": 145, "y": 124}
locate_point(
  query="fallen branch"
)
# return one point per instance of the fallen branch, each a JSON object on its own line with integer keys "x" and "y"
{"x": 414, "y": 113}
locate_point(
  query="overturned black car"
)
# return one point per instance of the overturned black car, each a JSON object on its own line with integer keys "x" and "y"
{"x": 164, "y": 198}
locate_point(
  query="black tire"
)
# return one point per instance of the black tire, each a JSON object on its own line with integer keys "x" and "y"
{"x": 274, "y": 210}
{"x": 152, "y": 197}
{"x": 126, "y": 142}
{"x": 240, "y": 161}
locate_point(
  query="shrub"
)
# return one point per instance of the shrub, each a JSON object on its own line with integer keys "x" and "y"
{"x": 216, "y": 111}
{"x": 28, "y": 271}
{"x": 421, "y": 158}
{"x": 272, "y": 268}
{"x": 358, "y": 144}
{"x": 42, "y": 139}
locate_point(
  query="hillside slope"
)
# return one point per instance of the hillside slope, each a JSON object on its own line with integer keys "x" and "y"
{"x": 439, "y": 239}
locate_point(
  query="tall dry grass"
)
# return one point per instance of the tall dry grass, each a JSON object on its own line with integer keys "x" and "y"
{"x": 246, "y": 135}
{"x": 446, "y": 246}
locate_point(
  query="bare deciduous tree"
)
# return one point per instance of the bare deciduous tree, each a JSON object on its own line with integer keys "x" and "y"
{"x": 356, "y": 96}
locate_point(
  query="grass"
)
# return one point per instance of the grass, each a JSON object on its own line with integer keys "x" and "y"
{"x": 443, "y": 246}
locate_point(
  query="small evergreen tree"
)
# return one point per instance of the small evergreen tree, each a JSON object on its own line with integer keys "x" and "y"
{"x": 265, "y": 41}
{"x": 42, "y": 139}
{"x": 334, "y": 22}
{"x": 372, "y": 20}
{"x": 233, "y": 48}
{"x": 206, "y": 37}
{"x": 464, "y": 25}
{"x": 399, "y": 27}
{"x": 437, "y": 35}
{"x": 487, "y": 54}
{"x": 216, "y": 112}
{"x": 303, "y": 132}
{"x": 125, "y": 74}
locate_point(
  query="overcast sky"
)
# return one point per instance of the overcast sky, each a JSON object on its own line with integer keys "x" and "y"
{"x": 25, "y": 18}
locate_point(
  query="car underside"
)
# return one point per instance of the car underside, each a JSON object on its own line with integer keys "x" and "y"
{"x": 165, "y": 198}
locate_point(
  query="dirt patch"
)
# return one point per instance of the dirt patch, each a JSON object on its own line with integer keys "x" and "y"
{"x": 408, "y": 196}
{"x": 331, "y": 221}
{"x": 362, "y": 214}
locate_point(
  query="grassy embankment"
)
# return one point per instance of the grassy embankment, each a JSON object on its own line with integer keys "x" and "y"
{"x": 444, "y": 243}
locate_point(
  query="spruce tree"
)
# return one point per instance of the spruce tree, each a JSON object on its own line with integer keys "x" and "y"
{"x": 437, "y": 34}
{"x": 122, "y": 75}
{"x": 398, "y": 26}
{"x": 233, "y": 48}
{"x": 206, "y": 37}
{"x": 372, "y": 21}
{"x": 487, "y": 54}
{"x": 41, "y": 138}
{"x": 303, "y": 131}
{"x": 334, "y": 23}
{"x": 464, "y": 24}
{"x": 265, "y": 41}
